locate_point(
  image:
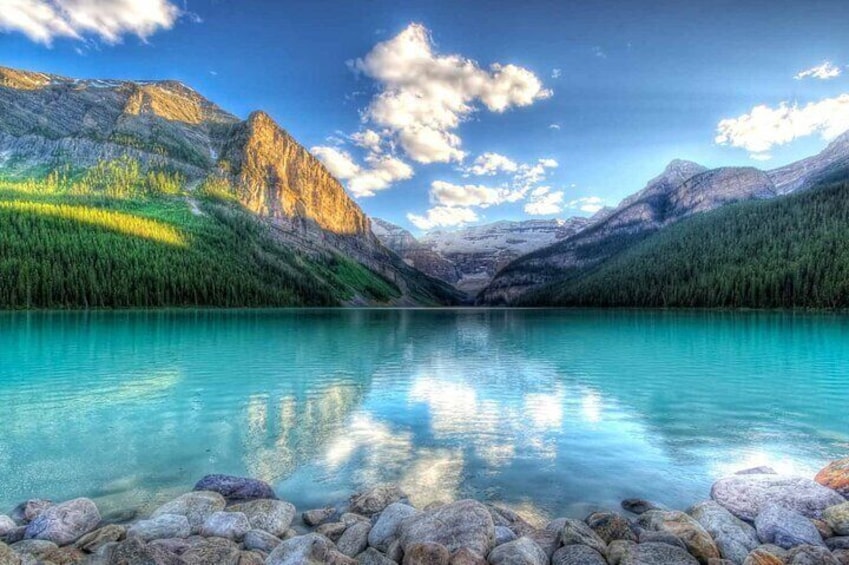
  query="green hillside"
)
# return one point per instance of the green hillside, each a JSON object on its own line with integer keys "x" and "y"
{"x": 791, "y": 252}
{"x": 115, "y": 237}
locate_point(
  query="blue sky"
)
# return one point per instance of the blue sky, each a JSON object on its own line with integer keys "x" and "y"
{"x": 587, "y": 101}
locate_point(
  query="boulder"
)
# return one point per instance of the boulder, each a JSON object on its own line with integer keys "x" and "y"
{"x": 522, "y": 551}
{"x": 508, "y": 518}
{"x": 577, "y": 532}
{"x": 385, "y": 529}
{"x": 842, "y": 556}
{"x": 355, "y": 539}
{"x": 236, "y": 488}
{"x": 810, "y": 555}
{"x": 835, "y": 476}
{"x": 649, "y": 536}
{"x": 6, "y": 525}
{"x": 107, "y": 534}
{"x": 762, "y": 557}
{"x": 503, "y": 534}
{"x": 640, "y": 506}
{"x": 35, "y": 547}
{"x": 227, "y": 525}
{"x": 427, "y": 553}
{"x": 734, "y": 538}
{"x": 195, "y": 506}
{"x": 823, "y": 528}
{"x": 762, "y": 470}
{"x": 206, "y": 551}
{"x": 465, "y": 523}
{"x": 7, "y": 556}
{"x": 746, "y": 495}
{"x": 577, "y": 555}
{"x": 26, "y": 512}
{"x": 839, "y": 542}
{"x": 309, "y": 549}
{"x": 623, "y": 552}
{"x": 14, "y": 535}
{"x": 548, "y": 539}
{"x": 465, "y": 556}
{"x": 251, "y": 558}
{"x": 64, "y": 523}
{"x": 273, "y": 516}
{"x": 371, "y": 556}
{"x": 837, "y": 517}
{"x": 332, "y": 530}
{"x": 699, "y": 543}
{"x": 163, "y": 526}
{"x": 376, "y": 499}
{"x": 260, "y": 540}
{"x": 317, "y": 516}
{"x": 786, "y": 528}
{"x": 610, "y": 526}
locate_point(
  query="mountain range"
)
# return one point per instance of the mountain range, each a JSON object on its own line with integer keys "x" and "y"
{"x": 200, "y": 207}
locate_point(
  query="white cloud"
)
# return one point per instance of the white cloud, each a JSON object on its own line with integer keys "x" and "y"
{"x": 109, "y": 20}
{"x": 590, "y": 204}
{"x": 556, "y": 73}
{"x": 448, "y": 194}
{"x": 424, "y": 96}
{"x": 443, "y": 216}
{"x": 491, "y": 164}
{"x": 368, "y": 139}
{"x": 544, "y": 202}
{"x": 383, "y": 170}
{"x": 760, "y": 156}
{"x": 553, "y": 126}
{"x": 764, "y": 127}
{"x": 823, "y": 72}
{"x": 599, "y": 52}
{"x": 529, "y": 175}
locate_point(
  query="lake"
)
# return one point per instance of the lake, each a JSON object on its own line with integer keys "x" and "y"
{"x": 551, "y": 412}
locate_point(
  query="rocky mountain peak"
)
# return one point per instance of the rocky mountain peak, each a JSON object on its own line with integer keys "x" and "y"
{"x": 23, "y": 80}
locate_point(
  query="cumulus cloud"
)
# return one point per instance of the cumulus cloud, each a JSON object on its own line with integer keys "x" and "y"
{"x": 368, "y": 139}
{"x": 448, "y": 194}
{"x": 823, "y": 72}
{"x": 764, "y": 127}
{"x": 492, "y": 164}
{"x": 544, "y": 202}
{"x": 382, "y": 170}
{"x": 589, "y": 204}
{"x": 554, "y": 126}
{"x": 424, "y": 96}
{"x": 556, "y": 73}
{"x": 108, "y": 20}
{"x": 443, "y": 216}
{"x": 530, "y": 175}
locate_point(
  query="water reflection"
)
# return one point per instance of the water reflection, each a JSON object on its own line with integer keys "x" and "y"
{"x": 549, "y": 412}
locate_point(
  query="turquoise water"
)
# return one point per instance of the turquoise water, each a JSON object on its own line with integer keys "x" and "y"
{"x": 553, "y": 412}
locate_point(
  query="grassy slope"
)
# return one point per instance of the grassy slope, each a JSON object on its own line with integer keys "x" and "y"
{"x": 59, "y": 250}
{"x": 788, "y": 252}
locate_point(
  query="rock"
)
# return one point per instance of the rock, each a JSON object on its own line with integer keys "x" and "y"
{"x": 762, "y": 470}
{"x": 835, "y": 476}
{"x": 395, "y": 551}
{"x": 427, "y": 553}
{"x": 611, "y": 526}
{"x": 92, "y": 541}
{"x": 762, "y": 557}
{"x": 648, "y": 536}
{"x": 260, "y": 540}
{"x": 577, "y": 532}
{"x": 734, "y": 538}
{"x": 273, "y": 516}
{"x": 7, "y": 556}
{"x": 26, "y": 512}
{"x": 212, "y": 550}
{"x": 823, "y": 528}
{"x": 195, "y": 506}
{"x": 842, "y": 556}
{"x": 251, "y": 558}
{"x": 161, "y": 527}
{"x": 547, "y": 538}
{"x": 227, "y": 525}
{"x": 746, "y": 495}
{"x": 64, "y": 523}
{"x": 6, "y": 525}
{"x": 640, "y": 506}
{"x": 236, "y": 488}
{"x": 14, "y": 535}
{"x": 376, "y": 499}
{"x": 720, "y": 561}
{"x": 698, "y": 541}
{"x": 38, "y": 548}
{"x": 810, "y": 555}
{"x": 465, "y": 556}
{"x": 371, "y": 556}
{"x": 355, "y": 539}
{"x": 317, "y": 516}
{"x": 466, "y": 523}
{"x": 68, "y": 555}
{"x": 309, "y": 549}
{"x": 503, "y": 534}
{"x": 510, "y": 519}
{"x": 386, "y": 527}
{"x": 786, "y": 528}
{"x": 623, "y": 552}
{"x": 523, "y": 551}
{"x": 577, "y": 555}
{"x": 332, "y": 530}
{"x": 837, "y": 517}
{"x": 349, "y": 518}
{"x": 839, "y": 542}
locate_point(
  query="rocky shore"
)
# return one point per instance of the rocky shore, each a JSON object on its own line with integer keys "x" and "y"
{"x": 755, "y": 517}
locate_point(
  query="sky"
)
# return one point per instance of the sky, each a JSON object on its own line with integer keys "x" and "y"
{"x": 436, "y": 115}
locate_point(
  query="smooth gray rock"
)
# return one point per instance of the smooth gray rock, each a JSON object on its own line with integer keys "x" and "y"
{"x": 355, "y": 539}
{"x": 27, "y": 511}
{"x": 746, "y": 495}
{"x": 649, "y": 536}
{"x": 6, "y": 525}
{"x": 14, "y": 535}
{"x": 205, "y": 551}
{"x": 810, "y": 555}
{"x": 503, "y": 534}
{"x": 762, "y": 470}
{"x": 577, "y": 532}
{"x": 376, "y": 499}
{"x": 8, "y": 556}
{"x": 309, "y": 549}
{"x": 734, "y": 537}
{"x": 610, "y": 526}
{"x": 386, "y": 528}
{"x": 622, "y": 552}
{"x": 699, "y": 543}
{"x": 838, "y": 518}
{"x": 64, "y": 523}
{"x": 261, "y": 540}
{"x": 107, "y": 534}
{"x": 466, "y": 523}
{"x": 786, "y": 528}
{"x": 427, "y": 553}
{"x": 227, "y": 525}
{"x": 36, "y": 547}
{"x": 371, "y": 556}
{"x": 505, "y": 517}
{"x": 837, "y": 542}
{"x": 548, "y": 538}
{"x": 577, "y": 555}
{"x": 161, "y": 527}
{"x": 332, "y": 530}
{"x": 317, "y": 516}
{"x": 273, "y": 516}
{"x": 522, "y": 551}
{"x": 133, "y": 551}
{"x": 236, "y": 488}
{"x": 639, "y": 505}
{"x": 195, "y": 506}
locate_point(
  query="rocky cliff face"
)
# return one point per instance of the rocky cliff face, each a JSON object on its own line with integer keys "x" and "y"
{"x": 807, "y": 172}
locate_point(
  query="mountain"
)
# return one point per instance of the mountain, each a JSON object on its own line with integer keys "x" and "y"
{"x": 682, "y": 190}
{"x": 468, "y": 258}
{"x": 787, "y": 252}
{"x": 90, "y": 137}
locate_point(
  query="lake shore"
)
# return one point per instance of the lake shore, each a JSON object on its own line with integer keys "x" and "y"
{"x": 754, "y": 517}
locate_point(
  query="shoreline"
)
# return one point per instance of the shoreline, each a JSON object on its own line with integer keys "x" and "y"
{"x": 754, "y": 517}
